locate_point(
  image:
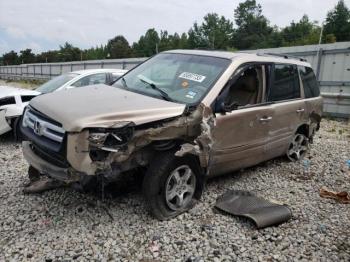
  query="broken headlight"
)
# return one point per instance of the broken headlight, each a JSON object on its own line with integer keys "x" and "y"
{"x": 112, "y": 139}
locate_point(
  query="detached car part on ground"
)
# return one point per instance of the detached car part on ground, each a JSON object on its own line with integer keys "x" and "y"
{"x": 13, "y": 100}
{"x": 182, "y": 115}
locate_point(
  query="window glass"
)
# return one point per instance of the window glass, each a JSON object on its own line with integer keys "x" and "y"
{"x": 7, "y": 101}
{"x": 285, "y": 84}
{"x": 115, "y": 76}
{"x": 245, "y": 90}
{"x": 26, "y": 98}
{"x": 182, "y": 78}
{"x": 55, "y": 83}
{"x": 91, "y": 80}
{"x": 310, "y": 83}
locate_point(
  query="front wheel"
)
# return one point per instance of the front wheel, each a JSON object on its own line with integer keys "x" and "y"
{"x": 172, "y": 185}
{"x": 298, "y": 147}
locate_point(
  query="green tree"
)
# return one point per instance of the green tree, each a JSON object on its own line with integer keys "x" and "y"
{"x": 183, "y": 43}
{"x": 253, "y": 29}
{"x": 119, "y": 47}
{"x": 10, "y": 58}
{"x": 147, "y": 44}
{"x": 215, "y": 32}
{"x": 68, "y": 52}
{"x": 26, "y": 56}
{"x": 303, "y": 32}
{"x": 95, "y": 53}
{"x": 48, "y": 57}
{"x": 338, "y": 22}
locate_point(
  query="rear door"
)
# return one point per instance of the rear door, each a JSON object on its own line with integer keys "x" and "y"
{"x": 288, "y": 106}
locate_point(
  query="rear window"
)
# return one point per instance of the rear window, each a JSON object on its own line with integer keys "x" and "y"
{"x": 26, "y": 98}
{"x": 7, "y": 101}
{"x": 285, "y": 84}
{"x": 310, "y": 83}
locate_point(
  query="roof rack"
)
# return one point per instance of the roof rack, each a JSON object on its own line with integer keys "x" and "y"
{"x": 286, "y": 56}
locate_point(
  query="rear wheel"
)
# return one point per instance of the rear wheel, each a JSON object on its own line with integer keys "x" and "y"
{"x": 172, "y": 185}
{"x": 298, "y": 147}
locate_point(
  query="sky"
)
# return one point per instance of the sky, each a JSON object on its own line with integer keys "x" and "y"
{"x": 44, "y": 25}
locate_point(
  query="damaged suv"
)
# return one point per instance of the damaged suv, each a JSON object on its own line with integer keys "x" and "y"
{"x": 182, "y": 115}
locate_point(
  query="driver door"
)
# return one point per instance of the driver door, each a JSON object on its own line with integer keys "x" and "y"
{"x": 241, "y": 135}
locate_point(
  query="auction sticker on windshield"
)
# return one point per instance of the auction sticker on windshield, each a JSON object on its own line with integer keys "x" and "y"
{"x": 192, "y": 76}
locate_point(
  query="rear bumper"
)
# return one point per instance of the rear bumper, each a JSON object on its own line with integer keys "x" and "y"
{"x": 67, "y": 175}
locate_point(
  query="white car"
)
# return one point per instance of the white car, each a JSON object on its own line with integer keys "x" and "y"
{"x": 13, "y": 100}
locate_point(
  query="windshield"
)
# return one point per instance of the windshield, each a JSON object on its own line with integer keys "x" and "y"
{"x": 55, "y": 83}
{"x": 175, "y": 77}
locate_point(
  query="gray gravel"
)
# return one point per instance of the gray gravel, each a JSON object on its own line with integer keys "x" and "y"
{"x": 66, "y": 225}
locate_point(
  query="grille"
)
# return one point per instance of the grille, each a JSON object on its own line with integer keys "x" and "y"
{"x": 56, "y": 159}
{"x": 42, "y": 126}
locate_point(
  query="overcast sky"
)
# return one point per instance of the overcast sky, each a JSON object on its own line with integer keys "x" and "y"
{"x": 43, "y": 24}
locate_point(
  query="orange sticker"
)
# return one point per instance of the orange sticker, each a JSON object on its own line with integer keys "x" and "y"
{"x": 184, "y": 84}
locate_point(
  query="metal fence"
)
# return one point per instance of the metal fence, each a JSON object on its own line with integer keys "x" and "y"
{"x": 331, "y": 63}
{"x": 49, "y": 70}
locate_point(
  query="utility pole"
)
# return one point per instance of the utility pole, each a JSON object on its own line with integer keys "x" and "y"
{"x": 321, "y": 34}
{"x": 156, "y": 48}
{"x": 319, "y": 49}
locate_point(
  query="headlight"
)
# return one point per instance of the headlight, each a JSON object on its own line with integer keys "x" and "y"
{"x": 25, "y": 117}
{"x": 113, "y": 139}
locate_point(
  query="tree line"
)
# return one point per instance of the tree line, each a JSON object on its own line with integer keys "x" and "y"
{"x": 250, "y": 29}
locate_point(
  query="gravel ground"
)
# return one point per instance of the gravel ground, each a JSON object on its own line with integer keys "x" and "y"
{"x": 63, "y": 225}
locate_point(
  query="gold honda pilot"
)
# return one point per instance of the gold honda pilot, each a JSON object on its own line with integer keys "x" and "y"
{"x": 183, "y": 116}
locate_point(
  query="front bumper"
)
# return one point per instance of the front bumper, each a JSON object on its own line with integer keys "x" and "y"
{"x": 67, "y": 175}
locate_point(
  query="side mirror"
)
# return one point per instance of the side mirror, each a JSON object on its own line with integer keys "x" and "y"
{"x": 224, "y": 107}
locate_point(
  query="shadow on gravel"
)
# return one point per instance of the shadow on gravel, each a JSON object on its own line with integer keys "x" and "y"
{"x": 249, "y": 171}
{"x": 8, "y": 138}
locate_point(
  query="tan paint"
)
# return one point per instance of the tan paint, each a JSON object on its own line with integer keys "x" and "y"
{"x": 103, "y": 107}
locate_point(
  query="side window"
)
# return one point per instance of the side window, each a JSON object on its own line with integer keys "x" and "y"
{"x": 247, "y": 89}
{"x": 310, "y": 84}
{"x": 91, "y": 80}
{"x": 115, "y": 76}
{"x": 285, "y": 83}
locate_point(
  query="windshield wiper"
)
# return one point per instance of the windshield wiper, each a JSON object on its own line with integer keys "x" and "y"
{"x": 164, "y": 94}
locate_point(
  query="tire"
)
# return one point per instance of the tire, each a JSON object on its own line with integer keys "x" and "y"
{"x": 163, "y": 185}
{"x": 16, "y": 127}
{"x": 33, "y": 174}
{"x": 298, "y": 147}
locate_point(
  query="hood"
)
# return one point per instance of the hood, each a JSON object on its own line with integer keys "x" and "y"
{"x": 103, "y": 106}
{"x": 6, "y": 91}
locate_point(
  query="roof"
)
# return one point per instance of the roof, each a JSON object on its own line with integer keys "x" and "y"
{"x": 101, "y": 70}
{"x": 243, "y": 56}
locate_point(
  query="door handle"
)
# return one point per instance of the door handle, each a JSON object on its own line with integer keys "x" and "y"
{"x": 300, "y": 110}
{"x": 265, "y": 119}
